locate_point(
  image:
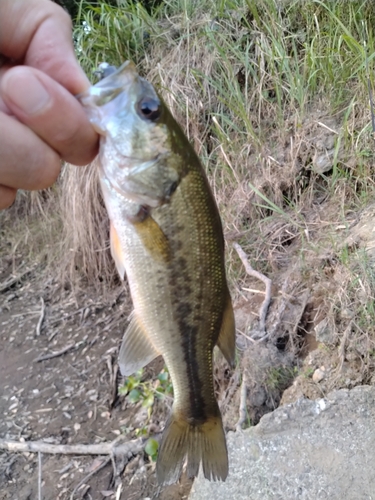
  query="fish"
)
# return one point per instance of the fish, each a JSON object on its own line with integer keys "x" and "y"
{"x": 166, "y": 237}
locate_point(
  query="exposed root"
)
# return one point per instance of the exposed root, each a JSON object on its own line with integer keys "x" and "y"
{"x": 242, "y": 409}
{"x": 115, "y": 448}
{"x": 12, "y": 280}
{"x": 267, "y": 299}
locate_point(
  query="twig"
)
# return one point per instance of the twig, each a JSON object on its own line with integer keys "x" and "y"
{"x": 113, "y": 370}
{"x": 342, "y": 346}
{"x": 135, "y": 446}
{"x": 100, "y": 467}
{"x": 39, "y": 476}
{"x": 55, "y": 354}
{"x": 267, "y": 300}
{"x": 247, "y": 337}
{"x": 327, "y": 128}
{"x": 242, "y": 409}
{"x": 231, "y": 389}
{"x": 275, "y": 321}
{"x": 41, "y": 317}
{"x": 53, "y": 335}
{"x": 13, "y": 280}
{"x": 118, "y": 492}
{"x": 252, "y": 290}
{"x": 116, "y": 448}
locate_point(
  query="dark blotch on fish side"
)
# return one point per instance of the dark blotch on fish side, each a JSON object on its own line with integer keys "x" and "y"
{"x": 189, "y": 337}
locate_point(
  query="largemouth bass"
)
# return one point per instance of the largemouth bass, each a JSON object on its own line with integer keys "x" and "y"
{"x": 166, "y": 236}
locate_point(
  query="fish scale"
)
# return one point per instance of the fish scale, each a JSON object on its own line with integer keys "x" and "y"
{"x": 166, "y": 236}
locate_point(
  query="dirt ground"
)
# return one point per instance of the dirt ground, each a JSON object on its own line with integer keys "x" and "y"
{"x": 68, "y": 399}
{"x": 72, "y": 397}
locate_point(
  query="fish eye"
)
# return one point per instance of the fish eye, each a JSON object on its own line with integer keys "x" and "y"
{"x": 149, "y": 109}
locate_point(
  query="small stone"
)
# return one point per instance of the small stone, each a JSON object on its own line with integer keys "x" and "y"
{"x": 319, "y": 375}
{"x": 323, "y": 162}
{"x": 258, "y": 397}
{"x": 347, "y": 313}
{"x": 324, "y": 333}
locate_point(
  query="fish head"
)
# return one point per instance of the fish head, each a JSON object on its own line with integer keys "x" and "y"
{"x": 135, "y": 153}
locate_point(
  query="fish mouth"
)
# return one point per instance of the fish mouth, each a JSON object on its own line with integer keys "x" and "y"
{"x": 116, "y": 81}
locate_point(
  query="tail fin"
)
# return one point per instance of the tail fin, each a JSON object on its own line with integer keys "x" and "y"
{"x": 200, "y": 443}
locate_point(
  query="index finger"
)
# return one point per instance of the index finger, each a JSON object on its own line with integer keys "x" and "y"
{"x": 38, "y": 33}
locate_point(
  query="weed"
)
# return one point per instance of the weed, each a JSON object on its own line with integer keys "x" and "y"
{"x": 137, "y": 390}
{"x": 308, "y": 372}
{"x": 279, "y": 378}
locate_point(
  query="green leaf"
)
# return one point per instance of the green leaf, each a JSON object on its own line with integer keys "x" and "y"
{"x": 163, "y": 377}
{"x": 151, "y": 447}
{"x": 131, "y": 383}
{"x": 134, "y": 396}
{"x": 148, "y": 401}
{"x": 123, "y": 390}
{"x": 141, "y": 432}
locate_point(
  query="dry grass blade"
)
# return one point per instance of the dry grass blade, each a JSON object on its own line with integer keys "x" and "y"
{"x": 39, "y": 475}
{"x": 41, "y": 317}
{"x": 85, "y": 242}
{"x": 56, "y": 354}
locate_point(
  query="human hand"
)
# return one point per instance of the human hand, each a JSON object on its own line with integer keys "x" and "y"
{"x": 41, "y": 122}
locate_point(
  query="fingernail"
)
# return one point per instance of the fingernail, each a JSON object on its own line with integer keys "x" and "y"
{"x": 25, "y": 91}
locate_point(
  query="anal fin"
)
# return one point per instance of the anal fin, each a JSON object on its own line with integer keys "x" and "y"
{"x": 227, "y": 337}
{"x": 136, "y": 350}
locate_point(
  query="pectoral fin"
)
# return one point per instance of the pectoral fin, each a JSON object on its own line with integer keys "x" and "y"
{"x": 227, "y": 337}
{"x": 136, "y": 349}
{"x": 153, "y": 238}
{"x": 116, "y": 252}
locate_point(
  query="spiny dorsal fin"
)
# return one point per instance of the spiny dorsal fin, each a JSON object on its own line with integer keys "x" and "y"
{"x": 227, "y": 337}
{"x": 136, "y": 349}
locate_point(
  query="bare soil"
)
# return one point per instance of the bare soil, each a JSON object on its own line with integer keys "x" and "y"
{"x": 71, "y": 398}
